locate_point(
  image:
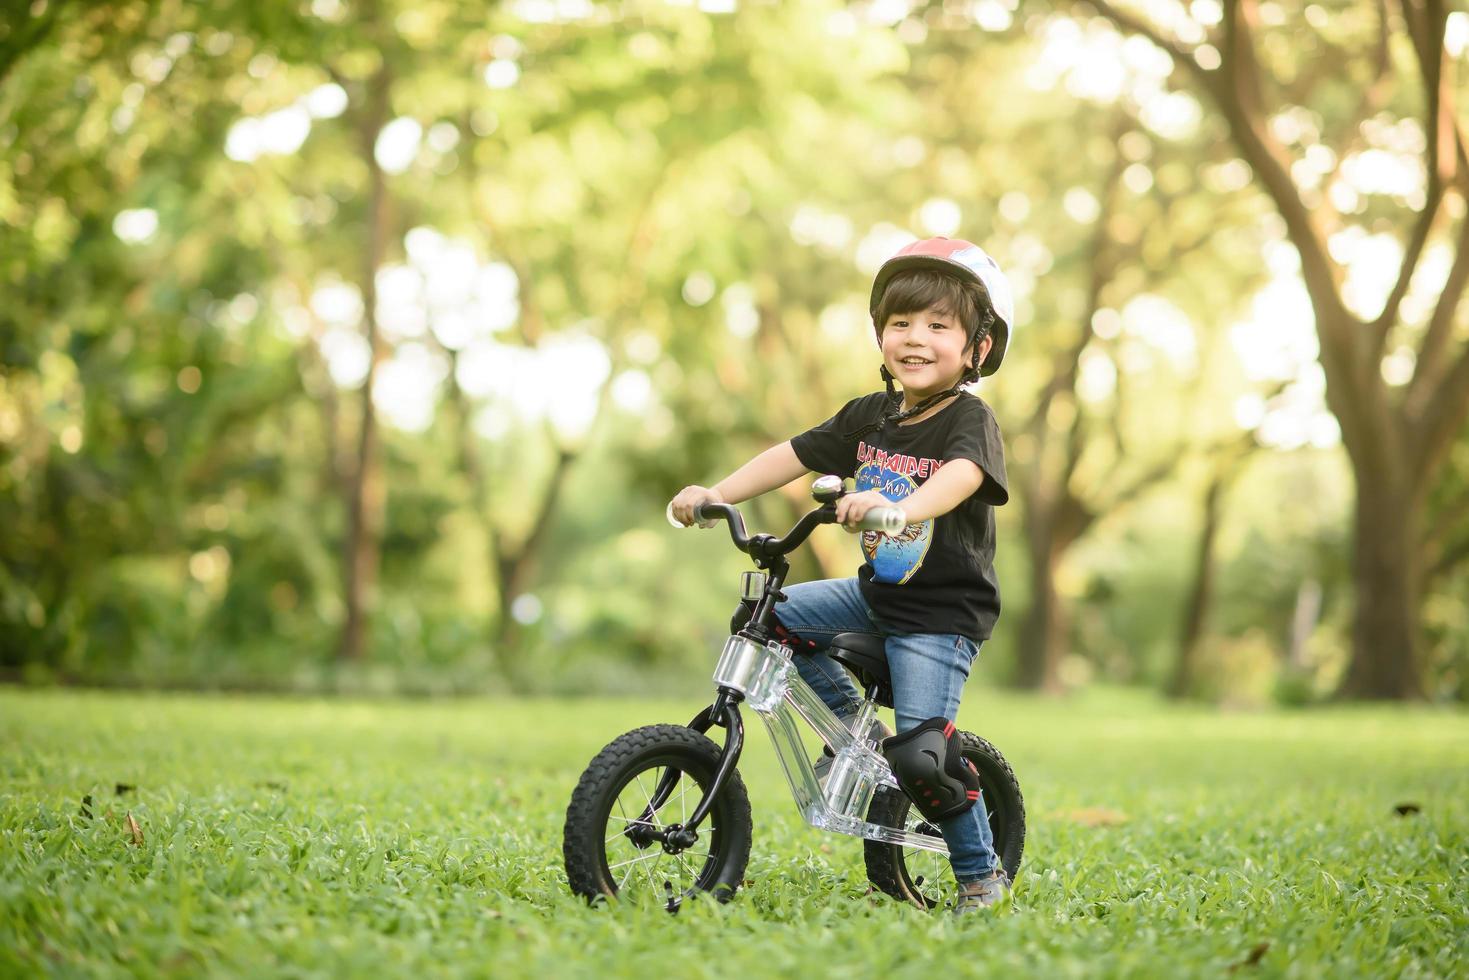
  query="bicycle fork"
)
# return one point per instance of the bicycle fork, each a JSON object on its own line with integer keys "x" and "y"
{"x": 724, "y": 712}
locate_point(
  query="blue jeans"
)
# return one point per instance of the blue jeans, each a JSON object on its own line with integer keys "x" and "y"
{"x": 928, "y": 672}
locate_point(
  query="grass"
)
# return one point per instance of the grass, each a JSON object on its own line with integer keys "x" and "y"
{"x": 302, "y": 838}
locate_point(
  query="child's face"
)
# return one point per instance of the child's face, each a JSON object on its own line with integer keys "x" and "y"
{"x": 925, "y": 351}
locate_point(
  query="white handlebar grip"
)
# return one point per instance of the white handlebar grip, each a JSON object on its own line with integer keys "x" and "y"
{"x": 668, "y": 513}
{"x": 888, "y": 520}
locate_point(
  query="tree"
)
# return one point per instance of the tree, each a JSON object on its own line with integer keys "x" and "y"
{"x": 1397, "y": 433}
{"x": 1097, "y": 215}
{"x": 365, "y": 500}
{"x": 1447, "y": 582}
{"x": 115, "y": 366}
{"x": 1194, "y": 623}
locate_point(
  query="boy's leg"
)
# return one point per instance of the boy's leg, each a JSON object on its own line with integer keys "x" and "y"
{"x": 928, "y": 672}
{"x": 818, "y": 611}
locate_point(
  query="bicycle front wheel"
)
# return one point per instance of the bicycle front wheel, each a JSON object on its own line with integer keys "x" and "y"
{"x": 615, "y": 837}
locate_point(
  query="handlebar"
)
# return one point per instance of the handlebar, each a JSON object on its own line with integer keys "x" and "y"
{"x": 888, "y": 520}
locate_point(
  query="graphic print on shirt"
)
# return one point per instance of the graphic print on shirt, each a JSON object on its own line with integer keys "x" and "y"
{"x": 894, "y": 558}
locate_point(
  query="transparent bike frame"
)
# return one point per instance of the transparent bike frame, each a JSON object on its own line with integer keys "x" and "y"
{"x": 771, "y": 685}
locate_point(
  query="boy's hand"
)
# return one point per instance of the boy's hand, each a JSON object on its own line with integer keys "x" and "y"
{"x": 690, "y": 497}
{"x": 854, "y": 506}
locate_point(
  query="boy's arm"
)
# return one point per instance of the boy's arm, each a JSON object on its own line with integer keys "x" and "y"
{"x": 953, "y": 484}
{"x": 773, "y": 468}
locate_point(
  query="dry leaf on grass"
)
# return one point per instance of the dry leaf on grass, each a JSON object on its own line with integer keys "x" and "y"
{"x": 1094, "y": 816}
{"x": 134, "y": 831}
{"x": 1254, "y": 957}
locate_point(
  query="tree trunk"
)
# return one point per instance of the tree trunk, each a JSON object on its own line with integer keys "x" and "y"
{"x": 1303, "y": 623}
{"x": 1396, "y": 444}
{"x": 365, "y": 492}
{"x": 1201, "y": 596}
{"x": 513, "y": 576}
{"x": 1043, "y": 630}
{"x": 515, "y": 566}
{"x": 504, "y": 633}
{"x": 1385, "y": 571}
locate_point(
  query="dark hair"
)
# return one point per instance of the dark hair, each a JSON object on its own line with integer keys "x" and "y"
{"x": 923, "y": 289}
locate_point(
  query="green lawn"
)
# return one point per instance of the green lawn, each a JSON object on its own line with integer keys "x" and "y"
{"x": 330, "y": 838}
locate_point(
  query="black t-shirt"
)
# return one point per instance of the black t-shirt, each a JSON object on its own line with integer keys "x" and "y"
{"x": 938, "y": 575}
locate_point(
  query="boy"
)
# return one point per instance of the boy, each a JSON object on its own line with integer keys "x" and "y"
{"x": 943, "y": 312}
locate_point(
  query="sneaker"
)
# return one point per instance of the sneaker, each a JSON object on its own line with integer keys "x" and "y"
{"x": 992, "y": 890}
{"x": 878, "y": 731}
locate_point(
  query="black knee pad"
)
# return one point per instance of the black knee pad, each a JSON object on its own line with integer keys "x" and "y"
{"x": 929, "y": 765}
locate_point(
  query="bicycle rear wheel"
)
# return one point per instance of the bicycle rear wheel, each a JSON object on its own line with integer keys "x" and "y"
{"x": 925, "y": 878}
{"x": 612, "y": 841}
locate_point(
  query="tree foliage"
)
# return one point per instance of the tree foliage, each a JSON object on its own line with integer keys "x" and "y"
{"x": 377, "y": 332}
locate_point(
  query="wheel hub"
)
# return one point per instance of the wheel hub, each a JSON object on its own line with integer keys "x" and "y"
{"x": 641, "y": 835}
{"x": 678, "y": 838}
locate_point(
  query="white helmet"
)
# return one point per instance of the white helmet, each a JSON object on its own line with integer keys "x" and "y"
{"x": 972, "y": 264}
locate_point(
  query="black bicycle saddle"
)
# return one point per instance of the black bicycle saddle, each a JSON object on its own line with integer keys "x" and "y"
{"x": 865, "y": 655}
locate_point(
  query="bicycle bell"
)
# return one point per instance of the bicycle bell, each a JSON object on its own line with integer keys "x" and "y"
{"x": 826, "y": 489}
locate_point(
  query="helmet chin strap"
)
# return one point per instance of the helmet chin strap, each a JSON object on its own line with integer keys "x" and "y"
{"x": 895, "y": 412}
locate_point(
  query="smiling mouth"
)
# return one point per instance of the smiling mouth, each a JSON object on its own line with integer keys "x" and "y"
{"x": 913, "y": 361}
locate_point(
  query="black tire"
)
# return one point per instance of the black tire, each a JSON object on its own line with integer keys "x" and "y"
{"x": 621, "y": 780}
{"x": 924, "y": 878}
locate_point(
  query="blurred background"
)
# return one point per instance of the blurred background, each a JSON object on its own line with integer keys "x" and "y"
{"x": 357, "y": 346}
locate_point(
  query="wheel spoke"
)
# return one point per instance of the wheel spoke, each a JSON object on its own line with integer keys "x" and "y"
{"x": 630, "y": 820}
{"x": 632, "y": 872}
{"x": 622, "y": 885}
{"x": 647, "y": 799}
{"x": 928, "y": 872}
{"x": 650, "y": 869}
{"x": 622, "y": 834}
{"x": 685, "y": 862}
{"x": 650, "y": 856}
{"x": 644, "y": 868}
{"x": 623, "y": 818}
{"x": 651, "y": 825}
